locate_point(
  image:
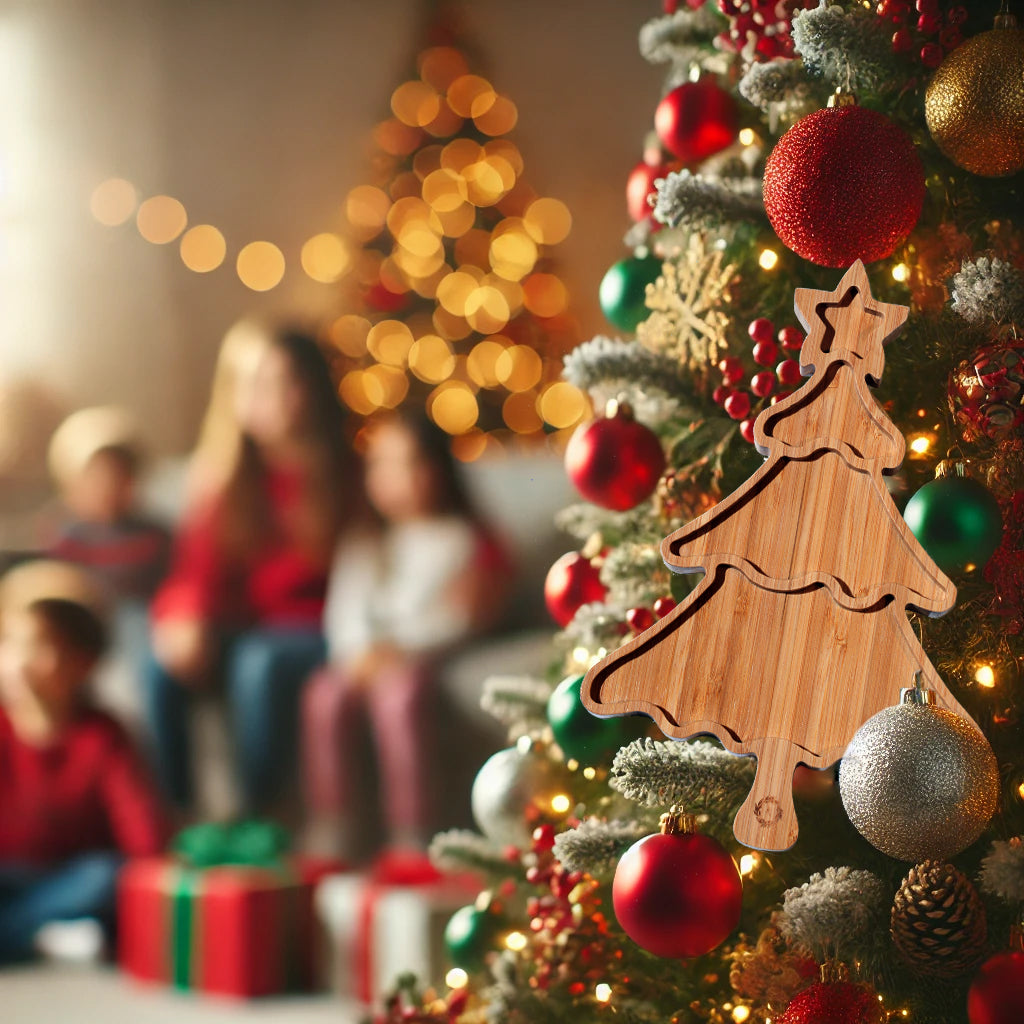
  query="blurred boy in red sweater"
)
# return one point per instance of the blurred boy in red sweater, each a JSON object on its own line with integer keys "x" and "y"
{"x": 74, "y": 798}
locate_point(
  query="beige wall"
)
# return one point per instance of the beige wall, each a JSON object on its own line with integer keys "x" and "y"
{"x": 255, "y": 113}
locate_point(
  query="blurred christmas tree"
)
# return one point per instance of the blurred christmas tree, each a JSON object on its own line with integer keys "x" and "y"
{"x": 792, "y": 138}
{"x": 452, "y": 299}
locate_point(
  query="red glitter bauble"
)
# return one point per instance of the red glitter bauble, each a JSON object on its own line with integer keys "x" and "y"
{"x": 696, "y": 120}
{"x": 677, "y": 895}
{"x": 834, "y": 1002}
{"x": 996, "y": 995}
{"x": 614, "y": 462}
{"x": 844, "y": 183}
{"x": 571, "y": 583}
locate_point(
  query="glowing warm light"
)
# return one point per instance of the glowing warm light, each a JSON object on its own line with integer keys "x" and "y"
{"x": 460, "y": 153}
{"x": 456, "y": 978}
{"x": 161, "y": 219}
{"x": 348, "y": 333}
{"x": 747, "y": 864}
{"x": 580, "y": 654}
{"x": 589, "y": 773}
{"x": 353, "y": 393}
{"x": 499, "y": 119}
{"x": 1020, "y": 791}
{"x": 560, "y": 803}
{"x": 518, "y": 368}
{"x": 768, "y": 259}
{"x": 515, "y": 941}
{"x": 545, "y": 295}
{"x": 454, "y": 408}
{"x": 396, "y": 138}
{"x": 920, "y": 444}
{"x": 203, "y": 248}
{"x": 441, "y": 65}
{"x": 485, "y": 182}
{"x": 260, "y": 266}
{"x": 740, "y": 1014}
{"x": 113, "y": 201}
{"x": 562, "y": 405}
{"x": 512, "y": 255}
{"x": 508, "y": 151}
{"x": 487, "y": 311}
{"x": 984, "y": 676}
{"x": 470, "y": 446}
{"x": 458, "y": 221}
{"x": 519, "y": 411}
{"x": 450, "y": 326}
{"x": 431, "y": 359}
{"x": 415, "y": 104}
{"x": 454, "y": 291}
{"x": 471, "y": 96}
{"x": 548, "y": 221}
{"x": 747, "y": 136}
{"x": 389, "y": 342}
{"x": 325, "y": 258}
{"x": 901, "y": 272}
{"x": 602, "y": 992}
{"x": 481, "y": 363}
{"x": 444, "y": 190}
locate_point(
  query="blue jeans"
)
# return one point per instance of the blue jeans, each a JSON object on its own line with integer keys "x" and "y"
{"x": 31, "y": 897}
{"x": 264, "y": 673}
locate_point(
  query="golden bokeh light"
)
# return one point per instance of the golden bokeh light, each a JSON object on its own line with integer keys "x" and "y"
{"x": 431, "y": 359}
{"x": 411, "y": 210}
{"x": 260, "y": 266}
{"x": 499, "y": 119}
{"x": 518, "y": 368}
{"x": 325, "y": 257}
{"x": 455, "y": 223}
{"x": 985, "y": 676}
{"x": 426, "y": 161}
{"x": 426, "y": 286}
{"x": 366, "y": 209}
{"x": 474, "y": 444}
{"x": 415, "y": 103}
{"x": 444, "y": 190}
{"x": 441, "y": 65}
{"x": 768, "y": 259}
{"x": 453, "y": 408}
{"x": 562, "y": 405}
{"x": 389, "y": 342}
{"x": 353, "y": 393}
{"x": 508, "y": 151}
{"x": 113, "y": 201}
{"x": 161, "y": 219}
{"x": 548, "y": 221}
{"x": 404, "y": 185}
{"x": 487, "y": 310}
{"x": 460, "y": 153}
{"x": 603, "y": 992}
{"x": 545, "y": 295}
{"x": 471, "y": 96}
{"x": 485, "y": 181}
{"x": 396, "y": 138}
{"x": 386, "y": 386}
{"x": 511, "y": 290}
{"x": 483, "y": 359}
{"x": 445, "y": 124}
{"x": 456, "y": 978}
{"x": 519, "y": 411}
{"x": 349, "y": 333}
{"x": 450, "y": 326}
{"x": 203, "y": 248}
{"x": 513, "y": 255}
{"x": 454, "y": 291}
{"x": 417, "y": 239}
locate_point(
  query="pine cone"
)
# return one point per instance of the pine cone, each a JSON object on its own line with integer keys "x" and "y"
{"x": 938, "y": 921}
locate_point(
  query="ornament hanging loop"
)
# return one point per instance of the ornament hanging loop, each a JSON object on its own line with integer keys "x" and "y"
{"x": 677, "y": 822}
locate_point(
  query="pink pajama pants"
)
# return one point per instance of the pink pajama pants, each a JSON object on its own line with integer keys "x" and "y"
{"x": 398, "y": 708}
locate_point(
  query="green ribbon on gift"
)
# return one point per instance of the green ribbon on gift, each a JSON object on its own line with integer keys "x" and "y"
{"x": 251, "y": 843}
{"x": 259, "y": 844}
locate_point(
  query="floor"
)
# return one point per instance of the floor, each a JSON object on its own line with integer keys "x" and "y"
{"x": 69, "y": 995}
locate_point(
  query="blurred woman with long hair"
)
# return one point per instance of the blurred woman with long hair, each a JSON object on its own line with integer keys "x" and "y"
{"x": 267, "y": 497}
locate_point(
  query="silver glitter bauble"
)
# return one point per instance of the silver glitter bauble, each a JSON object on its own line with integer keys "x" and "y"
{"x": 512, "y": 793}
{"x": 919, "y": 782}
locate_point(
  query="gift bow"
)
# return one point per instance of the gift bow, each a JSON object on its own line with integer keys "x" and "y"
{"x": 252, "y": 843}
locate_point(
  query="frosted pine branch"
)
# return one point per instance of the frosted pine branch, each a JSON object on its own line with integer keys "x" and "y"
{"x": 595, "y": 626}
{"x": 691, "y": 774}
{"x": 518, "y": 702}
{"x": 635, "y": 573}
{"x": 775, "y": 82}
{"x": 604, "y": 360}
{"x": 988, "y": 289}
{"x": 845, "y": 47}
{"x": 595, "y": 845}
{"x": 1002, "y": 871}
{"x": 689, "y": 200}
{"x": 679, "y": 38}
{"x": 841, "y": 913}
{"x": 459, "y": 849}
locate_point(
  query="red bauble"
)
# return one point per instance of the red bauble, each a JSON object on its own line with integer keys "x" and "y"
{"x": 996, "y": 995}
{"x": 696, "y": 120}
{"x": 844, "y": 183}
{"x": 834, "y": 1002}
{"x": 737, "y": 405}
{"x": 571, "y": 582}
{"x": 639, "y": 185}
{"x": 677, "y": 895}
{"x": 614, "y": 462}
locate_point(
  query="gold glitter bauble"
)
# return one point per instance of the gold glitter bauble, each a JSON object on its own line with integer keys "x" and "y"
{"x": 919, "y": 782}
{"x": 975, "y": 102}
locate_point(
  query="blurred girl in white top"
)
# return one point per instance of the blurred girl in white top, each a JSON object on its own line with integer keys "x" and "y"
{"x": 420, "y": 580}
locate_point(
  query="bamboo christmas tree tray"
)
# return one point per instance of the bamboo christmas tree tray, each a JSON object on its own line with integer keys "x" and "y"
{"x": 798, "y": 632}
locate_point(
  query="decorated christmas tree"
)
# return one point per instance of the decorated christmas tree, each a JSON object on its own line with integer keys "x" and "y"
{"x": 453, "y": 299}
{"x": 787, "y": 562}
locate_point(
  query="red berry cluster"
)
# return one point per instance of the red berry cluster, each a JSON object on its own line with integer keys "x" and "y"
{"x": 567, "y": 928}
{"x": 921, "y": 31}
{"x": 639, "y": 619}
{"x": 739, "y": 403}
{"x": 760, "y": 29}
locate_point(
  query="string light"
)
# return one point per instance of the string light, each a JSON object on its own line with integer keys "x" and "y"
{"x": 740, "y": 1014}
{"x": 589, "y": 773}
{"x": 749, "y": 863}
{"x": 985, "y": 676}
{"x": 515, "y": 941}
{"x": 456, "y": 978}
{"x": 920, "y": 444}
{"x": 768, "y": 259}
{"x": 747, "y": 136}
{"x": 560, "y": 803}
{"x": 603, "y": 992}
{"x": 901, "y": 272}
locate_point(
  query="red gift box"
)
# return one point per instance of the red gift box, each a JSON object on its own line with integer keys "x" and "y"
{"x": 231, "y": 930}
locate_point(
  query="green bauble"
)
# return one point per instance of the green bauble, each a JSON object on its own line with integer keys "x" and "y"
{"x": 957, "y": 521}
{"x": 470, "y": 935}
{"x": 583, "y": 736}
{"x": 623, "y": 289}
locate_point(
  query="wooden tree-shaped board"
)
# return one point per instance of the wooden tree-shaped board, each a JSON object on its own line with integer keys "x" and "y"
{"x": 798, "y": 632}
